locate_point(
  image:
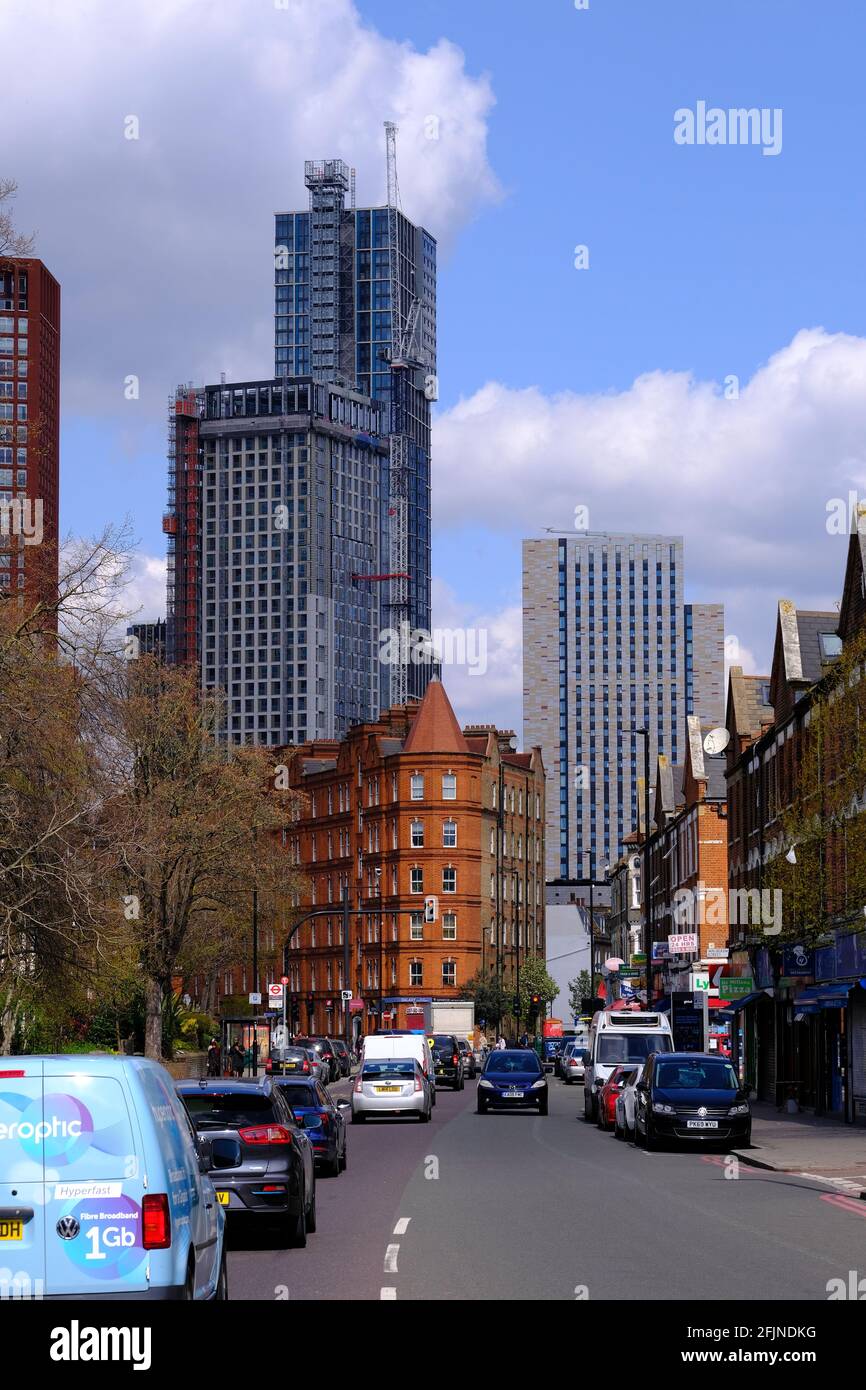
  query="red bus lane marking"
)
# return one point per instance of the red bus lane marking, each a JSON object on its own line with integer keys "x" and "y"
{"x": 845, "y": 1203}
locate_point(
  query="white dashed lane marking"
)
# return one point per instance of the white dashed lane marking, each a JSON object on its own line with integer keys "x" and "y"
{"x": 402, "y": 1226}
{"x": 391, "y": 1259}
{"x": 388, "y": 1295}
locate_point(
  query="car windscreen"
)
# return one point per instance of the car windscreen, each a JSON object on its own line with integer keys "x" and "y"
{"x": 230, "y": 1109}
{"x": 444, "y": 1041}
{"x": 294, "y": 1054}
{"x": 389, "y": 1066}
{"x": 312, "y": 1045}
{"x": 513, "y": 1062}
{"x": 630, "y": 1047}
{"x": 299, "y": 1095}
{"x": 700, "y": 1075}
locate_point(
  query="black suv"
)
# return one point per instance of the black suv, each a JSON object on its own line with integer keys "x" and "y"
{"x": 261, "y": 1162}
{"x": 323, "y": 1048}
{"x": 447, "y": 1061}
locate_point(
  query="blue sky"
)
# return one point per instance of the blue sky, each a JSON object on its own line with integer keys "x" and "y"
{"x": 704, "y": 262}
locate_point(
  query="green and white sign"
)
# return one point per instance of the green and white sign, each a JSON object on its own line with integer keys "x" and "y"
{"x": 736, "y": 986}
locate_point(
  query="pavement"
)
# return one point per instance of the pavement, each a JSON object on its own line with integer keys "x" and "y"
{"x": 814, "y": 1146}
{"x": 509, "y": 1207}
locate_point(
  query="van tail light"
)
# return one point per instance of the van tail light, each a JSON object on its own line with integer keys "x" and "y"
{"x": 418, "y": 1086}
{"x": 269, "y": 1066}
{"x": 324, "y": 1119}
{"x": 306, "y": 1066}
{"x": 155, "y": 1222}
{"x": 265, "y": 1134}
{"x": 358, "y": 1085}
{"x": 5, "y": 1074}
{"x": 455, "y": 1059}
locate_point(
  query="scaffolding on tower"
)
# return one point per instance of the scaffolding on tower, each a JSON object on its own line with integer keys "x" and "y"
{"x": 405, "y": 361}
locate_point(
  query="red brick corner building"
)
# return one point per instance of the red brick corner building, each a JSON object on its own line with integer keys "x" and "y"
{"x": 401, "y": 809}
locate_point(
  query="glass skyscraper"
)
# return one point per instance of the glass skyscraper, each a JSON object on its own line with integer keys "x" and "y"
{"x": 604, "y": 654}
{"x": 333, "y": 322}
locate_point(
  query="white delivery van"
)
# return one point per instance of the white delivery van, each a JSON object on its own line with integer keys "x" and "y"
{"x": 615, "y": 1037}
{"x": 389, "y": 1044}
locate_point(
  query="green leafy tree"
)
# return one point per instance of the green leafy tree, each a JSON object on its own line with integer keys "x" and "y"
{"x": 579, "y": 989}
{"x": 534, "y": 979}
{"x": 492, "y": 1001}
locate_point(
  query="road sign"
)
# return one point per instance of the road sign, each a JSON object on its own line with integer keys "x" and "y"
{"x": 255, "y": 998}
{"x": 284, "y": 979}
{"x": 345, "y": 995}
{"x": 275, "y": 993}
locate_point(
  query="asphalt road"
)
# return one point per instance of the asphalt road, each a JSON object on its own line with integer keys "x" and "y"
{"x": 517, "y": 1206}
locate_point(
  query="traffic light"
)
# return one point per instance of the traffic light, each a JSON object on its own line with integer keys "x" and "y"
{"x": 536, "y": 1000}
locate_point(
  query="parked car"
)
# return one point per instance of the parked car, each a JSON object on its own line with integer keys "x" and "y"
{"x": 618, "y": 1036}
{"x": 323, "y": 1120}
{"x": 470, "y": 1066}
{"x": 323, "y": 1049}
{"x": 298, "y": 1061}
{"x": 550, "y": 1050}
{"x": 103, "y": 1192}
{"x": 608, "y": 1094}
{"x": 512, "y": 1079}
{"x": 343, "y": 1056}
{"x": 393, "y": 1043}
{"x": 447, "y": 1061}
{"x": 691, "y": 1097}
{"x": 571, "y": 1067}
{"x": 625, "y": 1105}
{"x": 391, "y": 1086}
{"x": 261, "y": 1162}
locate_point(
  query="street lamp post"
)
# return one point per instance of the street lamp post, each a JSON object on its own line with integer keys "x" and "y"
{"x": 587, "y": 854}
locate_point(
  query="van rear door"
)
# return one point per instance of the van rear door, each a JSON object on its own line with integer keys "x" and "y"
{"x": 94, "y": 1182}
{"x": 22, "y": 1215}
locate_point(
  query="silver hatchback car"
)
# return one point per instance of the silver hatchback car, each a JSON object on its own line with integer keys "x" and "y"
{"x": 391, "y": 1086}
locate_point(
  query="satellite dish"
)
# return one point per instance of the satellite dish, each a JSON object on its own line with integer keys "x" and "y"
{"x": 716, "y": 741}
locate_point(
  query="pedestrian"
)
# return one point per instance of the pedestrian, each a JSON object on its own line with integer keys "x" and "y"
{"x": 501, "y": 1044}
{"x": 236, "y": 1059}
{"x": 213, "y": 1058}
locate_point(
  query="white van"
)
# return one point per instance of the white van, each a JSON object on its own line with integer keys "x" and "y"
{"x": 615, "y": 1037}
{"x": 391, "y": 1044}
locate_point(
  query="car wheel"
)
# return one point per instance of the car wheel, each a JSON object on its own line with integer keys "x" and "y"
{"x": 310, "y": 1216}
{"x": 344, "y": 1158}
{"x": 566, "y": 1080}
{"x": 542, "y": 1107}
{"x": 618, "y": 1131}
{"x": 358, "y": 1118}
{"x": 221, "y": 1292}
{"x": 334, "y": 1168}
{"x": 651, "y": 1141}
{"x": 189, "y": 1282}
{"x": 425, "y": 1117}
{"x": 481, "y": 1107}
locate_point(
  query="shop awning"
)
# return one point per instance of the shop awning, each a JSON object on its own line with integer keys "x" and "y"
{"x": 731, "y": 1010}
{"x": 831, "y": 996}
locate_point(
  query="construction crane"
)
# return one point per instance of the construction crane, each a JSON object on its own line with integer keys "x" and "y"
{"x": 405, "y": 313}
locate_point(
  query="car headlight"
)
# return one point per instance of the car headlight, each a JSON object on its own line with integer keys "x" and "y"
{"x": 488, "y": 1084}
{"x": 659, "y": 1108}
{"x": 536, "y": 1085}
{"x": 739, "y": 1110}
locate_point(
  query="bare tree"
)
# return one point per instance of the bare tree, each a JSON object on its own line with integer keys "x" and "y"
{"x": 12, "y": 243}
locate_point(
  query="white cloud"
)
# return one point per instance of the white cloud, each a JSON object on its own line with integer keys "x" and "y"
{"x": 746, "y": 481}
{"x": 493, "y": 692}
{"x": 163, "y": 245}
{"x": 144, "y": 593}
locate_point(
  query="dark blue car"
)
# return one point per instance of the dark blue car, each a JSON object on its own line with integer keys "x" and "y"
{"x": 322, "y": 1120}
{"x": 512, "y": 1079}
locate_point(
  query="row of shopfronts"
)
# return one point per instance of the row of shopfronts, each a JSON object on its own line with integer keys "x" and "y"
{"x": 797, "y": 1023}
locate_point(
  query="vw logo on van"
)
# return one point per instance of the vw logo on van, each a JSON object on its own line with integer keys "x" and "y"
{"x": 702, "y": 1110}
{"x": 68, "y": 1228}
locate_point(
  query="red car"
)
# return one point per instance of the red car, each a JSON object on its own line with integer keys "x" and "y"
{"x": 608, "y": 1094}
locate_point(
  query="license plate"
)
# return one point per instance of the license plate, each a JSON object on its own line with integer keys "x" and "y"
{"x": 439, "y": 1071}
{"x": 513, "y": 1095}
{"x": 11, "y": 1230}
{"x": 291, "y": 1066}
{"x": 387, "y": 1090}
{"x": 223, "y": 1198}
{"x": 702, "y": 1124}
